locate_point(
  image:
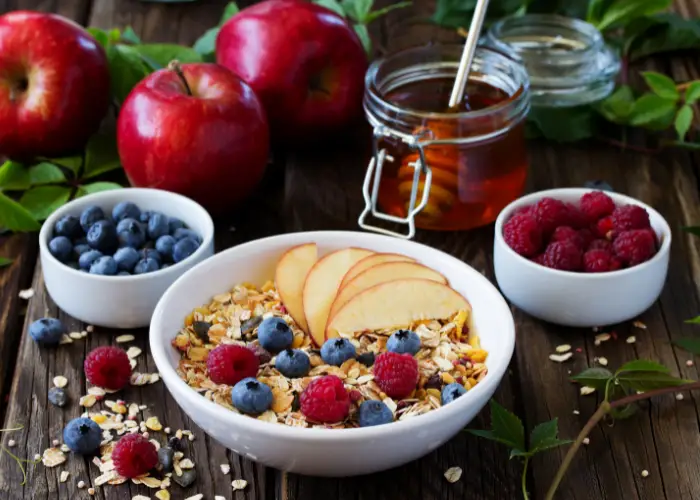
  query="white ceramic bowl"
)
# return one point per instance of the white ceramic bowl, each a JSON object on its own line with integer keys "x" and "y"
{"x": 328, "y": 452}
{"x": 121, "y": 301}
{"x": 580, "y": 299}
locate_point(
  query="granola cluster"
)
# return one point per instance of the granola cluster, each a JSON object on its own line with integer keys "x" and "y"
{"x": 450, "y": 352}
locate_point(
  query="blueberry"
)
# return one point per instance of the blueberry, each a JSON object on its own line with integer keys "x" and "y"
{"x": 175, "y": 224}
{"x": 102, "y": 236}
{"x": 250, "y": 396}
{"x": 105, "y": 266}
{"x": 451, "y": 392}
{"x": 182, "y": 233}
{"x": 150, "y": 253}
{"x": 145, "y": 216}
{"x": 80, "y": 249}
{"x": 374, "y": 412}
{"x": 89, "y": 216}
{"x": 124, "y": 210}
{"x": 61, "y": 248}
{"x": 293, "y": 363}
{"x": 158, "y": 226}
{"x": 166, "y": 457}
{"x": 80, "y": 241}
{"x": 366, "y": 358}
{"x": 147, "y": 265}
{"x": 88, "y": 258}
{"x": 184, "y": 248}
{"x": 82, "y": 435}
{"x": 337, "y": 351}
{"x": 68, "y": 226}
{"x": 164, "y": 246}
{"x": 58, "y": 397}
{"x": 126, "y": 258}
{"x": 176, "y": 444}
{"x": 131, "y": 233}
{"x": 201, "y": 328}
{"x": 187, "y": 478}
{"x": 403, "y": 341}
{"x": 47, "y": 331}
{"x": 274, "y": 334}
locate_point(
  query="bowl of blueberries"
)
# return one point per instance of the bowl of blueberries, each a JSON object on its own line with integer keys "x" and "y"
{"x": 108, "y": 257}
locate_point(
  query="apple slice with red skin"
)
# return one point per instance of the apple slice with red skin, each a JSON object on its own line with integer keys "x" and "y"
{"x": 321, "y": 285}
{"x": 371, "y": 261}
{"x": 396, "y": 304}
{"x": 290, "y": 276}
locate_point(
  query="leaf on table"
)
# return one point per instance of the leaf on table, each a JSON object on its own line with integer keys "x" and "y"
{"x": 650, "y": 109}
{"x": 684, "y": 119}
{"x": 595, "y": 377}
{"x": 618, "y": 106}
{"x": 206, "y": 44}
{"x": 130, "y": 36}
{"x": 506, "y": 428}
{"x": 96, "y": 187}
{"x": 667, "y": 32}
{"x": 642, "y": 365}
{"x": 230, "y": 10}
{"x": 158, "y": 55}
{"x": 692, "y": 93}
{"x": 363, "y": 35}
{"x": 564, "y": 124}
{"x": 101, "y": 155}
{"x": 690, "y": 345}
{"x": 126, "y": 69}
{"x": 546, "y": 436}
{"x": 100, "y": 35}
{"x": 45, "y": 173}
{"x": 15, "y": 217}
{"x": 72, "y": 163}
{"x": 4, "y": 261}
{"x": 621, "y": 12}
{"x": 41, "y": 201}
{"x": 661, "y": 85}
{"x": 357, "y": 10}
{"x": 13, "y": 176}
{"x": 376, "y": 14}
{"x": 647, "y": 381}
{"x": 333, "y": 5}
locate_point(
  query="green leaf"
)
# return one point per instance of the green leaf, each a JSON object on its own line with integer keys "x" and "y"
{"x": 13, "y": 176}
{"x": 618, "y": 106}
{"x": 595, "y": 377}
{"x": 375, "y": 14}
{"x": 690, "y": 345}
{"x": 545, "y": 436}
{"x": 357, "y": 10}
{"x": 692, "y": 93}
{"x": 114, "y": 35}
{"x": 72, "y": 163}
{"x": 206, "y": 44}
{"x": 668, "y": 32}
{"x": 363, "y": 35}
{"x": 100, "y": 35}
{"x": 595, "y": 11}
{"x": 230, "y": 10}
{"x": 642, "y": 365}
{"x": 647, "y": 381}
{"x": 126, "y": 68}
{"x": 96, "y": 187}
{"x": 158, "y": 55}
{"x": 130, "y": 36}
{"x": 506, "y": 428}
{"x": 333, "y": 5}
{"x": 15, "y": 217}
{"x": 662, "y": 85}
{"x": 622, "y": 12}
{"x": 101, "y": 155}
{"x": 684, "y": 119}
{"x": 4, "y": 261}
{"x": 564, "y": 124}
{"x": 45, "y": 173}
{"x": 458, "y": 13}
{"x": 694, "y": 230}
{"x": 624, "y": 412}
{"x": 650, "y": 108}
{"x": 41, "y": 201}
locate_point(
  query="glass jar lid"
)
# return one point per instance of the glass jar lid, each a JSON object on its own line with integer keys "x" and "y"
{"x": 567, "y": 60}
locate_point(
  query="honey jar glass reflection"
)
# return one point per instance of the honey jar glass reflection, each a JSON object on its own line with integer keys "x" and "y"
{"x": 475, "y": 153}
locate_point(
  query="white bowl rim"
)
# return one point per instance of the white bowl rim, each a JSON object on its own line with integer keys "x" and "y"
{"x": 553, "y": 193}
{"x": 493, "y": 377}
{"x": 50, "y": 222}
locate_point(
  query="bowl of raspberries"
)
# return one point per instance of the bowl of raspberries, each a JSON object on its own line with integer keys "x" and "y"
{"x": 108, "y": 257}
{"x": 581, "y": 257}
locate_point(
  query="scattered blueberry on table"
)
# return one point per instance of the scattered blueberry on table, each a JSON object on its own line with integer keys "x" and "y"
{"x": 125, "y": 242}
{"x": 82, "y": 435}
{"x": 47, "y": 331}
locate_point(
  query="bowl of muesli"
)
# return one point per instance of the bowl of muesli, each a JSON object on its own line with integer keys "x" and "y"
{"x": 332, "y": 353}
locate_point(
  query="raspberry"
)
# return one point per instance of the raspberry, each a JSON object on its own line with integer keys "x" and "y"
{"x": 600, "y": 261}
{"x": 586, "y": 237}
{"x": 325, "y": 400}
{"x": 630, "y": 217}
{"x": 229, "y": 364}
{"x": 134, "y": 455}
{"x": 636, "y": 246}
{"x": 603, "y": 227}
{"x": 396, "y": 374}
{"x": 566, "y": 233}
{"x": 596, "y": 205}
{"x": 563, "y": 255}
{"x": 576, "y": 218}
{"x": 522, "y": 234}
{"x": 108, "y": 367}
{"x": 600, "y": 244}
{"x": 551, "y": 213}
{"x": 538, "y": 259}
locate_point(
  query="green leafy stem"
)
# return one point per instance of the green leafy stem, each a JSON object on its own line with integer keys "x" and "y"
{"x": 20, "y": 461}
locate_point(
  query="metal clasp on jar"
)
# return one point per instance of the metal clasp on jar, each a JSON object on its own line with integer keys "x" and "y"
{"x": 370, "y": 188}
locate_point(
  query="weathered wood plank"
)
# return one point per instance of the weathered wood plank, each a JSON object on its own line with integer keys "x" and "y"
{"x": 77, "y": 10}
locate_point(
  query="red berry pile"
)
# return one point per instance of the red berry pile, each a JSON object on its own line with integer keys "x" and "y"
{"x": 594, "y": 237}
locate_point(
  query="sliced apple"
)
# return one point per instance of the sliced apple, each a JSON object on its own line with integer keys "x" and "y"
{"x": 379, "y": 274}
{"x": 396, "y": 304}
{"x": 321, "y": 286}
{"x": 371, "y": 261}
{"x": 290, "y": 275}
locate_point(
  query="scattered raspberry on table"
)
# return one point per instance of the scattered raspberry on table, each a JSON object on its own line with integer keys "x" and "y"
{"x": 108, "y": 367}
{"x": 134, "y": 455}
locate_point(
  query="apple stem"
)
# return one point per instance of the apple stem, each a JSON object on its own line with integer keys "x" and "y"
{"x": 175, "y": 66}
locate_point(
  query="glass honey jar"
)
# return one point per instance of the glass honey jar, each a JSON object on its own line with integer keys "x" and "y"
{"x": 439, "y": 168}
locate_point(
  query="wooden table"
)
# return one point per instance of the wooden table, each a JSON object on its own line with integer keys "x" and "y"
{"x": 320, "y": 189}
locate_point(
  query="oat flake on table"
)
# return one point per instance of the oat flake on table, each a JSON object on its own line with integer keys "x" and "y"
{"x": 453, "y": 474}
{"x": 239, "y": 484}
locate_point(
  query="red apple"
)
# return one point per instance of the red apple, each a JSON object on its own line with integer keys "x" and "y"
{"x": 54, "y": 85}
{"x": 198, "y": 130}
{"x": 304, "y": 61}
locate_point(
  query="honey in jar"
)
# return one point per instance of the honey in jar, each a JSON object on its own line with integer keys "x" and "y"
{"x": 473, "y": 156}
